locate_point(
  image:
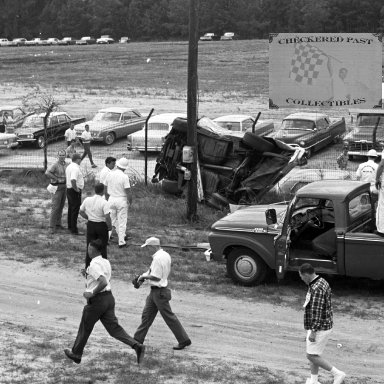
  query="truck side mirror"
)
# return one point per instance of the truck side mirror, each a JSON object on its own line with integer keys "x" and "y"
{"x": 270, "y": 216}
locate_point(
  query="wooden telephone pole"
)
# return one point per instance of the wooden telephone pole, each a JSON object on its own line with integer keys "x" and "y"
{"x": 192, "y": 106}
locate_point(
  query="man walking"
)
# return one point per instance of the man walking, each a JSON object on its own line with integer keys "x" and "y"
{"x": 70, "y": 134}
{"x": 96, "y": 210}
{"x": 86, "y": 139}
{"x": 100, "y": 306}
{"x": 159, "y": 296}
{"x": 119, "y": 195}
{"x": 56, "y": 173}
{"x": 75, "y": 183}
{"x": 318, "y": 321}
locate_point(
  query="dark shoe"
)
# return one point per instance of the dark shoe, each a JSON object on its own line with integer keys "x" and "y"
{"x": 78, "y": 233}
{"x": 94, "y": 166}
{"x": 182, "y": 345}
{"x": 123, "y": 245}
{"x": 140, "y": 351}
{"x": 72, "y": 356}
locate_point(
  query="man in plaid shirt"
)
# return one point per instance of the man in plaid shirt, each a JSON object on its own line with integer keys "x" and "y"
{"x": 318, "y": 321}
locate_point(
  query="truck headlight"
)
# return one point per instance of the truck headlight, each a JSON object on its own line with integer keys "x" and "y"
{"x": 346, "y": 144}
{"x": 302, "y": 143}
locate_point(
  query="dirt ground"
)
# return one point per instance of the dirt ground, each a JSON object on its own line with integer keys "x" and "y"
{"x": 221, "y": 329}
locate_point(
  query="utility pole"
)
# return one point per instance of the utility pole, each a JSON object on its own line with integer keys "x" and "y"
{"x": 192, "y": 106}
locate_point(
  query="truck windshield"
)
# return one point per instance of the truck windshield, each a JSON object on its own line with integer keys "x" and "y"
{"x": 369, "y": 120}
{"x": 305, "y": 125}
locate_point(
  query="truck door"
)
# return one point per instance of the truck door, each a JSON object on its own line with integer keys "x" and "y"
{"x": 282, "y": 254}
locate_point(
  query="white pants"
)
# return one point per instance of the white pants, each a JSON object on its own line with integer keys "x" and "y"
{"x": 317, "y": 347}
{"x": 119, "y": 215}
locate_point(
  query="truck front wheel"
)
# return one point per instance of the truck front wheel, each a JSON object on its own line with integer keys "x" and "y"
{"x": 246, "y": 267}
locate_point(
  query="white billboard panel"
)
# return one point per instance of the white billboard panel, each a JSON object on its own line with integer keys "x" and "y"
{"x": 328, "y": 70}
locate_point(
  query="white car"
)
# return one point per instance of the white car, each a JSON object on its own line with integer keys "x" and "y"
{"x": 105, "y": 39}
{"x": 227, "y": 36}
{"x": 158, "y": 128}
{"x": 19, "y": 41}
{"x": 53, "y": 41}
{"x": 124, "y": 39}
{"x": 244, "y": 123}
{"x": 4, "y": 42}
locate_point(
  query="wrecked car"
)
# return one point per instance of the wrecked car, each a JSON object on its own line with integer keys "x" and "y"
{"x": 232, "y": 168}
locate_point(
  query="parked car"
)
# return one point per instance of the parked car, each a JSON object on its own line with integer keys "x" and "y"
{"x": 16, "y": 113}
{"x": 52, "y": 41}
{"x": 309, "y": 130}
{"x": 36, "y": 41}
{"x": 19, "y": 41}
{"x": 158, "y": 127}
{"x": 367, "y": 132}
{"x": 8, "y": 141}
{"x": 105, "y": 39}
{"x": 86, "y": 40}
{"x": 32, "y": 129}
{"x": 124, "y": 39}
{"x": 228, "y": 36}
{"x": 244, "y": 123}
{"x": 235, "y": 169}
{"x": 4, "y": 42}
{"x": 329, "y": 223}
{"x": 209, "y": 37}
{"x": 67, "y": 41}
{"x": 112, "y": 123}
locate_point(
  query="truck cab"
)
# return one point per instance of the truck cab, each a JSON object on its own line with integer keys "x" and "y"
{"x": 329, "y": 223}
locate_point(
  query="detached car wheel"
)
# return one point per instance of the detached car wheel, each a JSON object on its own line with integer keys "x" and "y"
{"x": 110, "y": 138}
{"x": 257, "y": 143}
{"x": 246, "y": 267}
{"x": 40, "y": 142}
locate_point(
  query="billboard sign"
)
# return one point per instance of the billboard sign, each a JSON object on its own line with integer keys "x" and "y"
{"x": 327, "y": 70}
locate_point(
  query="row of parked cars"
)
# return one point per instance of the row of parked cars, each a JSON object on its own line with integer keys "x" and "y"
{"x": 85, "y": 40}
{"x": 210, "y": 36}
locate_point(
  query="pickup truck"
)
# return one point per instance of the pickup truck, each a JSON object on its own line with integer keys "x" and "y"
{"x": 310, "y": 130}
{"x": 367, "y": 132}
{"x": 329, "y": 223}
{"x": 112, "y": 123}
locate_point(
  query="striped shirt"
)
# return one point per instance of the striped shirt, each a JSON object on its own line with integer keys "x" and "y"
{"x": 318, "y": 314}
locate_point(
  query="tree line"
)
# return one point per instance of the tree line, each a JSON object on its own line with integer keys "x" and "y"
{"x": 168, "y": 19}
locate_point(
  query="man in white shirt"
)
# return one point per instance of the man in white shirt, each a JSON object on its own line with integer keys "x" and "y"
{"x": 119, "y": 195}
{"x": 100, "y": 306}
{"x": 96, "y": 210}
{"x": 367, "y": 171}
{"x": 86, "y": 139}
{"x": 159, "y": 296}
{"x": 75, "y": 184}
{"x": 70, "y": 134}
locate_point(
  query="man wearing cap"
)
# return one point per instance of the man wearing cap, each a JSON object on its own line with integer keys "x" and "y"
{"x": 86, "y": 139}
{"x": 159, "y": 296}
{"x": 100, "y": 306}
{"x": 367, "y": 171}
{"x": 75, "y": 183}
{"x": 119, "y": 196}
{"x": 96, "y": 210}
{"x": 56, "y": 173}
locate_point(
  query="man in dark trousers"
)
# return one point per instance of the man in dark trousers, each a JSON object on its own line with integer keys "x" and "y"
{"x": 75, "y": 184}
{"x": 159, "y": 296}
{"x": 100, "y": 306}
{"x": 86, "y": 139}
{"x": 96, "y": 210}
{"x": 318, "y": 321}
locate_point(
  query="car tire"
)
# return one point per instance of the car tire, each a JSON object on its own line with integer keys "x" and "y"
{"x": 170, "y": 186}
{"x": 246, "y": 267}
{"x": 109, "y": 138}
{"x": 257, "y": 143}
{"x": 40, "y": 142}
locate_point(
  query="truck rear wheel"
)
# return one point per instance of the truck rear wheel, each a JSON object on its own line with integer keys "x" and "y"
{"x": 246, "y": 267}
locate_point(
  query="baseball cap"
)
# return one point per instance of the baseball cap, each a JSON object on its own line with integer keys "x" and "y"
{"x": 122, "y": 163}
{"x": 151, "y": 241}
{"x": 372, "y": 153}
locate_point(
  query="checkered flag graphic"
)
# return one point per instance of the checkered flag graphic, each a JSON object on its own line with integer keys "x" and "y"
{"x": 306, "y": 64}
